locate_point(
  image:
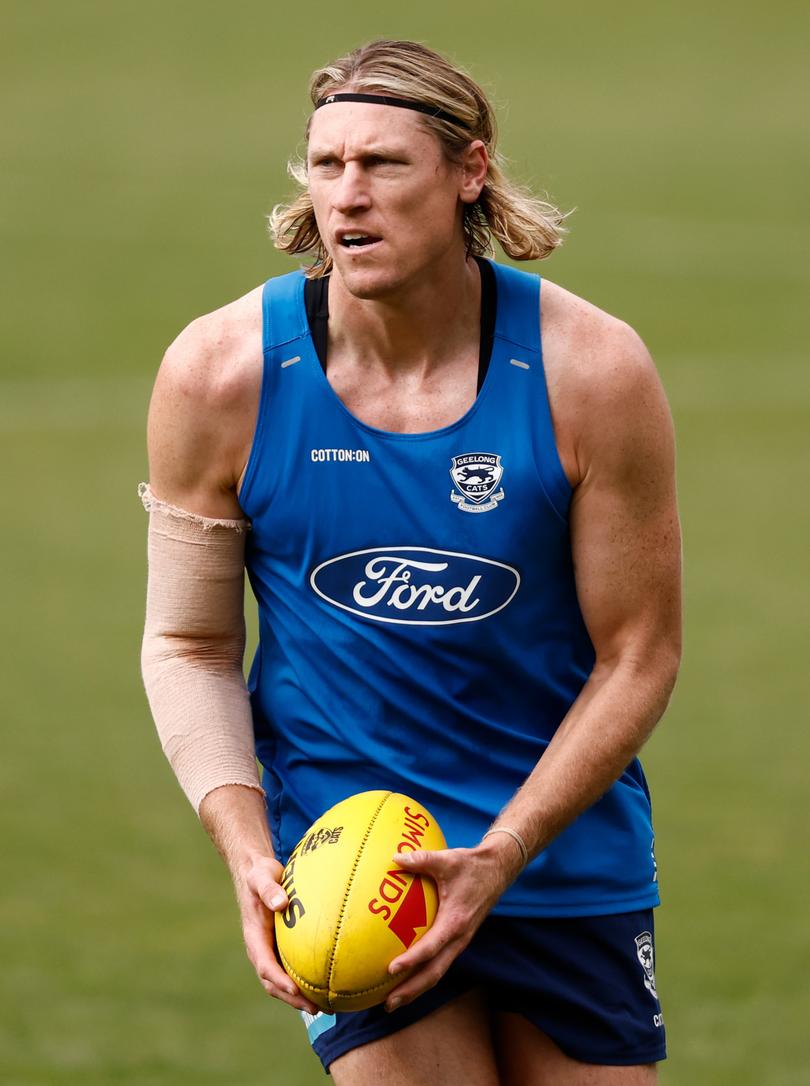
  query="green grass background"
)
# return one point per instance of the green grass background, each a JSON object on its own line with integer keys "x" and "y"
{"x": 142, "y": 144}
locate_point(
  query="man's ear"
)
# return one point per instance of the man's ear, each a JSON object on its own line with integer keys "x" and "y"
{"x": 474, "y": 164}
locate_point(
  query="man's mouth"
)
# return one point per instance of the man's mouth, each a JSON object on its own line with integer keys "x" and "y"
{"x": 358, "y": 240}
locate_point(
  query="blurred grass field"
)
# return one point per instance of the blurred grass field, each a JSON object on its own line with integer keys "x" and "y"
{"x": 142, "y": 145}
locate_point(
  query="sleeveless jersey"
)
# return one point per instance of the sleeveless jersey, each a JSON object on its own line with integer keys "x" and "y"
{"x": 419, "y": 624}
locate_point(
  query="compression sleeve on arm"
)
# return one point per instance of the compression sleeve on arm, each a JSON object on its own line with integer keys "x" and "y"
{"x": 193, "y": 645}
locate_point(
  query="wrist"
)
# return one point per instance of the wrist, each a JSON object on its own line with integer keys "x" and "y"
{"x": 504, "y": 853}
{"x": 508, "y": 831}
{"x": 235, "y": 819}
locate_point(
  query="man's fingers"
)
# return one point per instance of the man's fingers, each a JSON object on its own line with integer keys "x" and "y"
{"x": 422, "y": 979}
{"x": 258, "y": 928}
{"x": 260, "y": 947}
{"x": 274, "y": 979}
{"x": 433, "y": 942}
{"x": 276, "y": 982}
{"x": 292, "y": 997}
{"x": 436, "y": 862}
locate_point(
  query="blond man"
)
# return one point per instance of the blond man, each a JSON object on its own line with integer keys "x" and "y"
{"x": 452, "y": 486}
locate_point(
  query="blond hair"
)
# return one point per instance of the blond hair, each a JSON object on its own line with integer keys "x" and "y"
{"x": 526, "y": 227}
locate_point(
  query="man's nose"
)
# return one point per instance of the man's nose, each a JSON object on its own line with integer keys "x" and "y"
{"x": 351, "y": 192}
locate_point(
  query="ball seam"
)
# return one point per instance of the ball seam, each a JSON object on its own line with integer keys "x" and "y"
{"x": 288, "y": 969}
{"x": 346, "y": 893}
{"x": 317, "y": 988}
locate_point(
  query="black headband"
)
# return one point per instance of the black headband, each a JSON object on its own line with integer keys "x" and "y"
{"x": 402, "y": 103}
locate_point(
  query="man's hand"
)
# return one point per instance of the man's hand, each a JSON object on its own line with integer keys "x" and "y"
{"x": 260, "y": 894}
{"x": 469, "y": 881}
{"x": 234, "y": 817}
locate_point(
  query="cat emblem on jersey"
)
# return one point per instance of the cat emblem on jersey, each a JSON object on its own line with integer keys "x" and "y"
{"x": 476, "y": 477}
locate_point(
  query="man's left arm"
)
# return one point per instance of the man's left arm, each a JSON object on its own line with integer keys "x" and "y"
{"x": 626, "y": 546}
{"x": 625, "y": 541}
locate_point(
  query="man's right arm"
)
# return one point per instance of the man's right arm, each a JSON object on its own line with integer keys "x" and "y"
{"x": 234, "y": 818}
{"x": 201, "y": 422}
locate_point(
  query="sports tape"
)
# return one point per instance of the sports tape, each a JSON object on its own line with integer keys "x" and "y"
{"x": 193, "y": 646}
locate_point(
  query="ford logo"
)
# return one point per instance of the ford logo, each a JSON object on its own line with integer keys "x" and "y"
{"x": 415, "y": 586}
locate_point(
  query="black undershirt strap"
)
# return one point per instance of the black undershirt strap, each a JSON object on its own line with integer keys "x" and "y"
{"x": 489, "y": 305}
{"x": 316, "y": 300}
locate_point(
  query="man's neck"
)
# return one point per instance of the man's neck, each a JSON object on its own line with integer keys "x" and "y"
{"x": 415, "y": 329}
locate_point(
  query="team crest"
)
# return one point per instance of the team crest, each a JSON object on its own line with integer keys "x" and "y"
{"x": 646, "y": 956}
{"x": 476, "y": 478}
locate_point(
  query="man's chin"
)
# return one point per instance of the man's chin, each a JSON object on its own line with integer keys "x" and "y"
{"x": 369, "y": 283}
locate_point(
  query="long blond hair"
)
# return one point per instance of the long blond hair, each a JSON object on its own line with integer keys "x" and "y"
{"x": 526, "y": 227}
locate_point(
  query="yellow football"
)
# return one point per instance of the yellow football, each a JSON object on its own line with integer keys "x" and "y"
{"x": 351, "y": 909}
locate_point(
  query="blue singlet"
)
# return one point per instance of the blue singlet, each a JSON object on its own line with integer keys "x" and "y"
{"x": 419, "y": 624}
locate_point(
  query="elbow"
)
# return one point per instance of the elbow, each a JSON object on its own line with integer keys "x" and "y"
{"x": 169, "y": 658}
{"x": 672, "y": 653}
{"x": 664, "y": 669}
{"x": 647, "y": 673}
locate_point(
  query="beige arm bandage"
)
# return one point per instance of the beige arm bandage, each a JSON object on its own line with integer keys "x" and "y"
{"x": 193, "y": 645}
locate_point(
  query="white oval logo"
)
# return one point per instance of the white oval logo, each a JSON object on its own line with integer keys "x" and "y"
{"x": 415, "y": 586}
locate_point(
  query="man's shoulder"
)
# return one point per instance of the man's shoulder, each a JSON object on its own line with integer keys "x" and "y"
{"x": 217, "y": 357}
{"x": 204, "y": 406}
{"x": 602, "y": 383}
{"x": 586, "y": 346}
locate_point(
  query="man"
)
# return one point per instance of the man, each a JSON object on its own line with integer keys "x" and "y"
{"x": 465, "y": 551}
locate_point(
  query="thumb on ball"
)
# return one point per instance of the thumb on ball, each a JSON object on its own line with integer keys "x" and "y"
{"x": 273, "y": 896}
{"x": 417, "y": 859}
{"x": 277, "y": 899}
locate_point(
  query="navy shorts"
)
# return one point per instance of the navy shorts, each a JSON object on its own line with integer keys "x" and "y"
{"x": 587, "y": 982}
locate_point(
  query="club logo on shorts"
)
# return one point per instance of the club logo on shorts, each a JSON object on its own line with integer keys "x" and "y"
{"x": 476, "y": 477}
{"x": 646, "y": 956}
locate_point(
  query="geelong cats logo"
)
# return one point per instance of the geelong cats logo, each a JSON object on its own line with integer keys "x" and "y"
{"x": 476, "y": 476}
{"x": 645, "y": 954}
{"x": 415, "y": 586}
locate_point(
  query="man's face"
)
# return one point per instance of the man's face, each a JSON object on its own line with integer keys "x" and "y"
{"x": 386, "y": 199}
